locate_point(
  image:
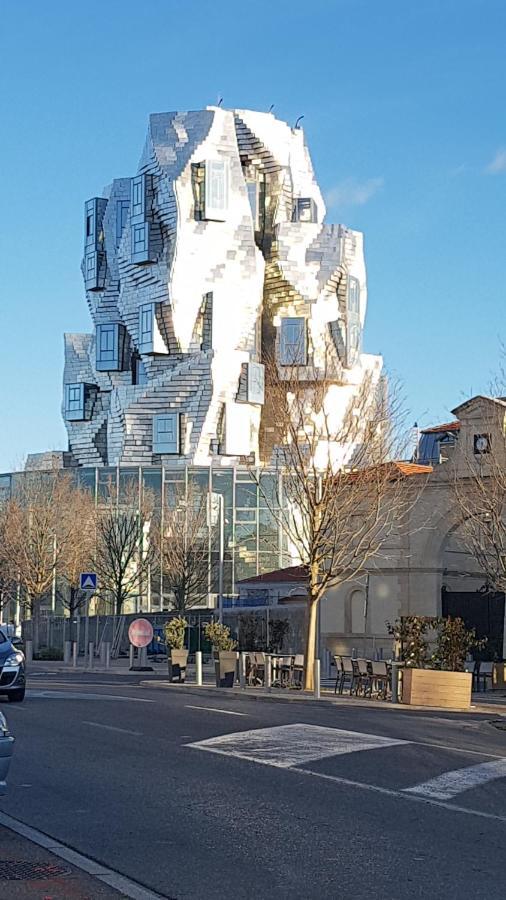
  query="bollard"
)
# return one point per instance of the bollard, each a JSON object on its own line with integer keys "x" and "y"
{"x": 107, "y": 646}
{"x": 395, "y": 681}
{"x": 102, "y": 654}
{"x": 91, "y": 653}
{"x": 67, "y": 652}
{"x": 143, "y": 657}
{"x": 267, "y": 676}
{"x": 198, "y": 667}
{"x": 29, "y": 651}
{"x": 242, "y": 670}
{"x": 316, "y": 679}
{"x": 132, "y": 656}
{"x": 74, "y": 654}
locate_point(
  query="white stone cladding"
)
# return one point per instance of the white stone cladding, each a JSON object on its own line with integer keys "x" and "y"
{"x": 221, "y": 229}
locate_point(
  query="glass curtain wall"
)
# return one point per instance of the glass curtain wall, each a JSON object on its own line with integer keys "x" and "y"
{"x": 253, "y": 539}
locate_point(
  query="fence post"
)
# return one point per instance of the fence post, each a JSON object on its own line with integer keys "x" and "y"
{"x": 242, "y": 670}
{"x": 267, "y": 670}
{"x": 29, "y": 651}
{"x": 316, "y": 679}
{"x": 91, "y": 653}
{"x": 74, "y": 654}
{"x": 67, "y": 650}
{"x": 395, "y": 682}
{"x": 198, "y": 667}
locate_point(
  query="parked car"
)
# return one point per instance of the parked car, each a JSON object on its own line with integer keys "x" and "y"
{"x": 12, "y": 669}
{"x": 6, "y": 748}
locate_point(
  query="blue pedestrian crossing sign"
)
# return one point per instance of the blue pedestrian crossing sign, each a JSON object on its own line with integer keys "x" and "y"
{"x": 88, "y": 581}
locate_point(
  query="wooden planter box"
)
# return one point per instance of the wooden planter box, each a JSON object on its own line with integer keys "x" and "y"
{"x": 431, "y": 687}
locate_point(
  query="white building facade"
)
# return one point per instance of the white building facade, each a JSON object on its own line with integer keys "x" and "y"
{"x": 214, "y": 254}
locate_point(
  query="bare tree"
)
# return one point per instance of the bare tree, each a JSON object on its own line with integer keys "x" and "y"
{"x": 183, "y": 547}
{"x": 42, "y": 529}
{"x": 480, "y": 489}
{"x": 124, "y": 548}
{"x": 341, "y": 494}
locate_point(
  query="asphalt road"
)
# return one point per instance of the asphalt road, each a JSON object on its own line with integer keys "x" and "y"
{"x": 314, "y": 803}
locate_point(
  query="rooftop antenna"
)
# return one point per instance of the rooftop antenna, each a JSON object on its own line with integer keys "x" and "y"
{"x": 220, "y": 101}
{"x": 271, "y": 107}
{"x": 297, "y": 122}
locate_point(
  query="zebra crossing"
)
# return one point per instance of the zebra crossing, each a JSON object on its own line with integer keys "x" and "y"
{"x": 295, "y": 746}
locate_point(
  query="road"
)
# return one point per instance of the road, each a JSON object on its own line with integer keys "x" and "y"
{"x": 281, "y": 800}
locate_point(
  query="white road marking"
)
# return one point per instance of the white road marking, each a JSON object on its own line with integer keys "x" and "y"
{"x": 125, "y": 886}
{"x": 290, "y": 745}
{"x": 113, "y": 728}
{"x": 76, "y": 695}
{"x": 226, "y": 712}
{"x": 449, "y": 784}
{"x": 400, "y": 795}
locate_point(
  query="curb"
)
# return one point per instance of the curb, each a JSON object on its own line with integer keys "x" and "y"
{"x": 243, "y": 694}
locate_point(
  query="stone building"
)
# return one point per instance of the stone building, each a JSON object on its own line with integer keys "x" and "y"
{"x": 214, "y": 253}
{"x": 430, "y": 571}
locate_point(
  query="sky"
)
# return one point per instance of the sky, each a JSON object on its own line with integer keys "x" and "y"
{"x": 403, "y": 104}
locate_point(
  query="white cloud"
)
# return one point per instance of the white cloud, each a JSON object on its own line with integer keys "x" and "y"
{"x": 498, "y": 163}
{"x": 351, "y": 192}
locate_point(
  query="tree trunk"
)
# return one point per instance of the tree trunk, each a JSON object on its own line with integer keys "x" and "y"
{"x": 119, "y": 603}
{"x": 311, "y": 636}
{"x": 35, "y": 624}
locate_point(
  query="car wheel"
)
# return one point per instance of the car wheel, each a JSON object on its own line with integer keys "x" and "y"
{"x": 16, "y": 696}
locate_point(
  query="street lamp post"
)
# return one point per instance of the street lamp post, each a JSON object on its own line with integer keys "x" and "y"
{"x": 221, "y": 555}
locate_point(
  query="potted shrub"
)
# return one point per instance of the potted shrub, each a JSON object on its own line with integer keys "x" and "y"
{"x": 436, "y": 679}
{"x": 177, "y": 656}
{"x": 225, "y": 654}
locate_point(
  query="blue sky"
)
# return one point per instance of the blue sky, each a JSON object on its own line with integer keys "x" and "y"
{"x": 403, "y": 105}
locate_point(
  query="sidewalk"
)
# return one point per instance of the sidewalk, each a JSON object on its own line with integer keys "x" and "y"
{"x": 28, "y": 872}
{"x": 496, "y": 705}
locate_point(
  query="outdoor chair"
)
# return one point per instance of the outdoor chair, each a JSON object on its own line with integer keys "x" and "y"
{"x": 338, "y": 662}
{"x": 471, "y": 667}
{"x": 484, "y": 671}
{"x": 380, "y": 680}
{"x": 257, "y": 669}
{"x": 364, "y": 675}
{"x": 345, "y": 674}
{"x": 298, "y": 671}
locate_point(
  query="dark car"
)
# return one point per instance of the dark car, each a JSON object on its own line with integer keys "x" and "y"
{"x": 12, "y": 669}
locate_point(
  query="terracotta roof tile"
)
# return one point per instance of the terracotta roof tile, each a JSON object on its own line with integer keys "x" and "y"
{"x": 448, "y": 426}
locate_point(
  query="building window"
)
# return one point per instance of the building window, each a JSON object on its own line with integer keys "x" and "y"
{"x": 481, "y": 444}
{"x": 94, "y": 210}
{"x": 293, "y": 342}
{"x": 138, "y": 198}
{"x": 166, "y": 433}
{"x": 353, "y": 295}
{"x": 74, "y": 402}
{"x": 252, "y": 188}
{"x": 216, "y": 189}
{"x": 354, "y": 337}
{"x": 140, "y": 243}
{"x": 110, "y": 340}
{"x": 94, "y": 270}
{"x": 122, "y": 208}
{"x": 210, "y": 189}
{"x": 146, "y": 317}
{"x": 139, "y": 373}
{"x": 305, "y": 210}
{"x": 256, "y": 382}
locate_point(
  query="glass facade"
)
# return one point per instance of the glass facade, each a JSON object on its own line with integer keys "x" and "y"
{"x": 253, "y": 538}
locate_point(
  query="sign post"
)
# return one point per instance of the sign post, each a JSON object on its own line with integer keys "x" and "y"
{"x": 140, "y": 634}
{"x": 88, "y": 581}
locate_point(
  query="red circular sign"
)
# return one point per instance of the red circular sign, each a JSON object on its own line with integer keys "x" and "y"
{"x": 140, "y": 633}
